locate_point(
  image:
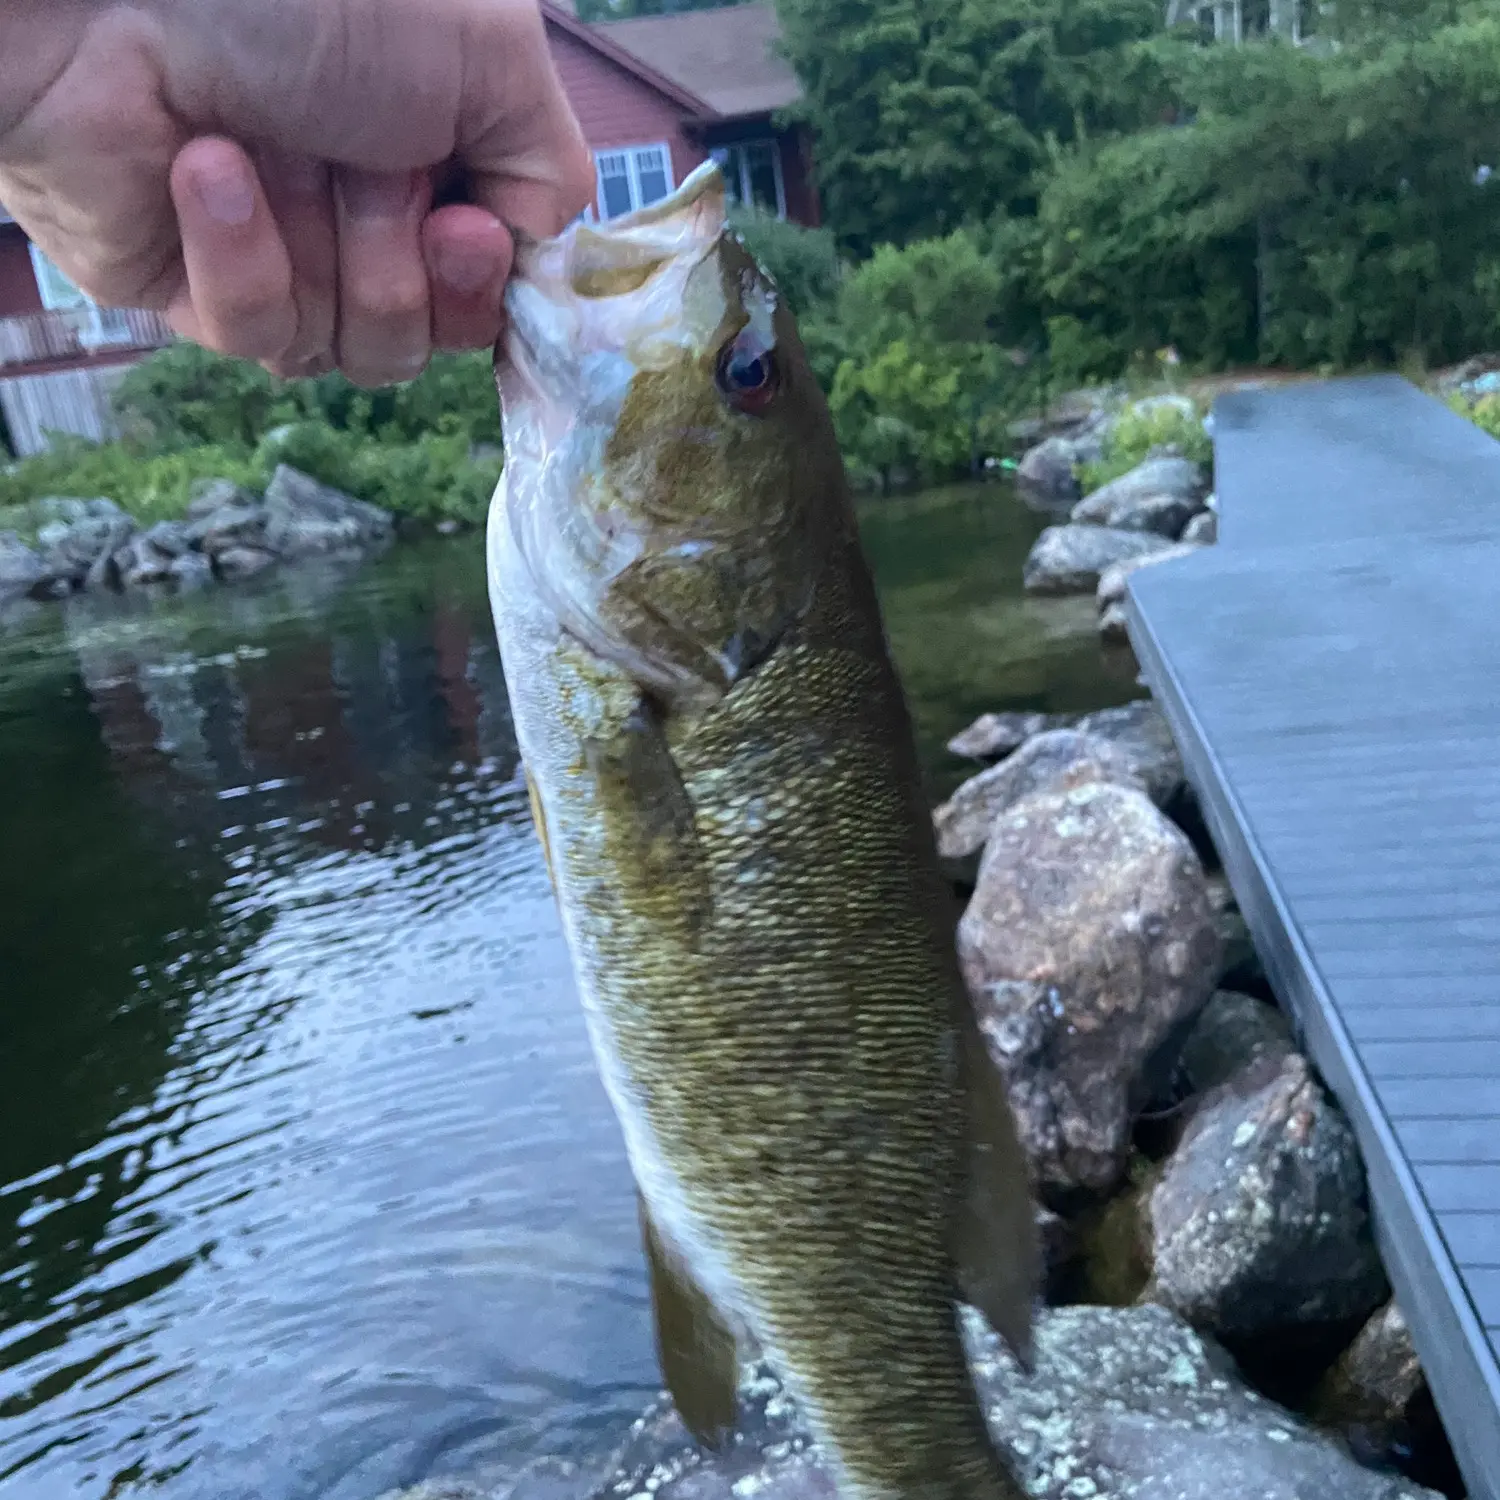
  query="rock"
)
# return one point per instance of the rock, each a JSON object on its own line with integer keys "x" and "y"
{"x": 304, "y": 517}
{"x": 83, "y": 554}
{"x": 138, "y": 564}
{"x": 148, "y": 556}
{"x": 994, "y": 736}
{"x": 21, "y": 570}
{"x": 1124, "y": 1404}
{"x": 1070, "y": 559}
{"x": 241, "y": 562}
{"x": 1045, "y": 474}
{"x": 67, "y": 509}
{"x": 1088, "y": 940}
{"x": 1231, "y": 1032}
{"x": 191, "y": 570}
{"x": 1139, "y": 729}
{"x": 1203, "y": 529}
{"x": 1051, "y": 761}
{"x": 229, "y": 526}
{"x": 1378, "y": 1376}
{"x": 170, "y": 538}
{"x": 1160, "y": 496}
{"x": 1371, "y": 1395}
{"x": 53, "y": 534}
{"x": 210, "y": 495}
{"x": 1112, "y": 585}
{"x": 1259, "y": 1220}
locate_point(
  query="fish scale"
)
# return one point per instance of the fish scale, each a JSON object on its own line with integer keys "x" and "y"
{"x": 744, "y": 860}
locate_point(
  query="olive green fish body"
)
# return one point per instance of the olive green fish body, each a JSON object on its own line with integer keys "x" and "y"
{"x": 723, "y": 772}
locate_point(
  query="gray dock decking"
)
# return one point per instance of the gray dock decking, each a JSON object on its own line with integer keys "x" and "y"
{"x": 1332, "y": 674}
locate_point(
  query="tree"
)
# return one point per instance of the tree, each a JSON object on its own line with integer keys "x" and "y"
{"x": 929, "y": 114}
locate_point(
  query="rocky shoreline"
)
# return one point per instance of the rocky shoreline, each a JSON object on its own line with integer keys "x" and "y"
{"x": 1218, "y": 1320}
{"x": 228, "y": 533}
{"x": 1161, "y": 509}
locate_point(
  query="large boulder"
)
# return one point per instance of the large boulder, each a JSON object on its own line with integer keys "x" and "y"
{"x": 1259, "y": 1221}
{"x": 241, "y": 562}
{"x": 1123, "y": 1404}
{"x": 1232, "y": 1031}
{"x": 81, "y": 554}
{"x": 148, "y": 556}
{"x": 1089, "y": 942}
{"x": 1160, "y": 496}
{"x": 239, "y": 521}
{"x": 304, "y": 517}
{"x": 1046, "y": 475}
{"x": 209, "y": 495}
{"x": 1071, "y": 559}
{"x": 1139, "y": 730}
{"x": 1051, "y": 761}
{"x": 21, "y": 569}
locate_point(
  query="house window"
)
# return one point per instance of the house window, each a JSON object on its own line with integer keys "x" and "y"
{"x": 96, "y": 325}
{"x": 752, "y": 171}
{"x": 631, "y": 177}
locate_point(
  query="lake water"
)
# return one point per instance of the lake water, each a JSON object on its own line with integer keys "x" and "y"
{"x": 307, "y": 1184}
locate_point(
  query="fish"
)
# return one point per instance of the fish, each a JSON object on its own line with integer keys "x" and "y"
{"x": 726, "y": 787}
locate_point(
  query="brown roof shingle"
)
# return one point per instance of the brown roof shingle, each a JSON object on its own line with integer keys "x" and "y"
{"x": 727, "y": 56}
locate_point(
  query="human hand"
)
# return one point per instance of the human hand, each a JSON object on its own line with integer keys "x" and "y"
{"x": 265, "y": 173}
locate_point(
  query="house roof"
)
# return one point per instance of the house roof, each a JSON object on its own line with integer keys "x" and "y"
{"x": 726, "y": 56}
{"x": 563, "y": 18}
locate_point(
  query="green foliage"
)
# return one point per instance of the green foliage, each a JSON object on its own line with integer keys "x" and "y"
{"x": 430, "y": 479}
{"x": 910, "y": 350}
{"x": 151, "y": 486}
{"x": 929, "y": 113}
{"x": 192, "y": 415}
{"x": 1141, "y": 428}
{"x": 1483, "y": 411}
{"x": 804, "y": 263}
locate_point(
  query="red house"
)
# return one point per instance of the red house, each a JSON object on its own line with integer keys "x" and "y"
{"x": 656, "y": 96}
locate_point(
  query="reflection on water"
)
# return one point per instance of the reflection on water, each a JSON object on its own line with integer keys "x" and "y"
{"x": 307, "y": 1184}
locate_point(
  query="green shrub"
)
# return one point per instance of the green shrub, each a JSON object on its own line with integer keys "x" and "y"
{"x": 151, "y": 486}
{"x": 431, "y": 479}
{"x": 1483, "y": 411}
{"x": 1138, "y": 430}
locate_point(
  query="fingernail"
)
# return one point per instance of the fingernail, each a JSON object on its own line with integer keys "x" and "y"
{"x": 377, "y": 195}
{"x": 227, "y": 195}
{"x": 466, "y": 268}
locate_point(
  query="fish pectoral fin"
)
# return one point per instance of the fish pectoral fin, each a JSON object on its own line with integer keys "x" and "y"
{"x": 649, "y": 817}
{"x": 995, "y": 1245}
{"x": 539, "y": 818}
{"x": 697, "y": 1349}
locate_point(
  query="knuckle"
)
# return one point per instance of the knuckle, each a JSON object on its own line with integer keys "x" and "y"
{"x": 390, "y": 300}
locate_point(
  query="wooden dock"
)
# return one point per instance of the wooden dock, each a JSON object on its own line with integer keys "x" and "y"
{"x": 1332, "y": 673}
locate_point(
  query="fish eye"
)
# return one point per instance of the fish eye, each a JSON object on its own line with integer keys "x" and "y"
{"x": 747, "y": 374}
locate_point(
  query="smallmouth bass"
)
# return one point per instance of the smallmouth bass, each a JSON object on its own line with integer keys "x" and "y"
{"x": 725, "y": 783}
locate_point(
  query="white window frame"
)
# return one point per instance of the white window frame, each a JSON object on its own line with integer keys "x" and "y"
{"x": 97, "y": 326}
{"x": 632, "y": 155}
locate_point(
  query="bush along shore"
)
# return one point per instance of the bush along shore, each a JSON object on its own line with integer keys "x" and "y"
{"x": 1218, "y": 1322}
